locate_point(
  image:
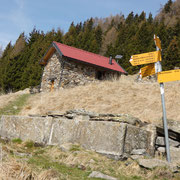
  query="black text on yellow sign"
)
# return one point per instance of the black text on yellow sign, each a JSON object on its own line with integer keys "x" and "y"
{"x": 166, "y": 76}
{"x": 147, "y": 70}
{"x": 145, "y": 58}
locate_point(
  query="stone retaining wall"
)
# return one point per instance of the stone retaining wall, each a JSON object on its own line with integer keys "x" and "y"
{"x": 107, "y": 137}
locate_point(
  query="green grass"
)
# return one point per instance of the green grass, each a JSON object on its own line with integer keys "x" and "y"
{"x": 71, "y": 172}
{"x": 75, "y": 148}
{"x": 45, "y": 162}
{"x": 29, "y": 144}
{"x": 13, "y": 108}
{"x": 17, "y": 140}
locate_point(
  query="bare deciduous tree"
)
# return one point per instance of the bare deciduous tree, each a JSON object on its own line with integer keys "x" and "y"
{"x": 1, "y": 51}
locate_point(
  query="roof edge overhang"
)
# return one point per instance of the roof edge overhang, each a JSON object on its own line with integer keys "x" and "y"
{"x": 94, "y": 65}
{"x": 125, "y": 72}
{"x": 52, "y": 48}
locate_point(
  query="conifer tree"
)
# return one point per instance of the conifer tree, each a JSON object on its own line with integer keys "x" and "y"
{"x": 172, "y": 55}
{"x": 167, "y": 6}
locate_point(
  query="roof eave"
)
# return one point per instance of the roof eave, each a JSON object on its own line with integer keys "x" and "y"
{"x": 125, "y": 72}
{"x": 95, "y": 65}
{"x": 43, "y": 61}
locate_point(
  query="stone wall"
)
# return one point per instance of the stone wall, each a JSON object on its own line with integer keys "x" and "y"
{"x": 113, "y": 135}
{"x": 51, "y": 73}
{"x": 75, "y": 73}
{"x": 68, "y": 73}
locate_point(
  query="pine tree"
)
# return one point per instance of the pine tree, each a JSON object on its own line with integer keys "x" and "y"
{"x": 70, "y": 36}
{"x": 167, "y": 6}
{"x": 150, "y": 18}
{"x": 130, "y": 18}
{"x": 172, "y": 55}
{"x": 142, "y": 16}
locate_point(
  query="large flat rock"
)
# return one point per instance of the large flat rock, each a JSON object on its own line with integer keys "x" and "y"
{"x": 137, "y": 138}
{"x": 173, "y": 129}
{"x": 103, "y": 137}
{"x": 106, "y": 137}
{"x": 26, "y": 128}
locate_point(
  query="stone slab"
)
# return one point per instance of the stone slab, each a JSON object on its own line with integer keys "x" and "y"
{"x": 161, "y": 142}
{"x": 36, "y": 129}
{"x": 137, "y": 138}
{"x": 152, "y": 163}
{"x": 96, "y": 174}
{"x": 102, "y": 137}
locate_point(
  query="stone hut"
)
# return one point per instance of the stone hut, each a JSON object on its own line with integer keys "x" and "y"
{"x": 66, "y": 66}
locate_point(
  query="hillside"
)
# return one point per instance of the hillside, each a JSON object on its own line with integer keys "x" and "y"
{"x": 29, "y": 160}
{"x": 170, "y": 13}
{"x": 140, "y": 99}
{"x": 19, "y": 64}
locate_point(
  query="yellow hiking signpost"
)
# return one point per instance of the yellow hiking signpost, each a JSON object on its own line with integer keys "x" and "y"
{"x": 157, "y": 42}
{"x": 145, "y": 58}
{"x": 147, "y": 70}
{"x": 166, "y": 76}
{"x": 163, "y": 76}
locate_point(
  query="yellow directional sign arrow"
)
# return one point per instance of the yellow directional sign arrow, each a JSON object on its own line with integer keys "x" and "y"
{"x": 157, "y": 42}
{"x": 145, "y": 58}
{"x": 147, "y": 70}
{"x": 166, "y": 76}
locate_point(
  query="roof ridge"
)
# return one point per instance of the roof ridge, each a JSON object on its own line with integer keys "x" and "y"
{"x": 72, "y": 47}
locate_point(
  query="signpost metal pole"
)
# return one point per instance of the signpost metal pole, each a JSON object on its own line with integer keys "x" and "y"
{"x": 165, "y": 123}
{"x": 164, "y": 115}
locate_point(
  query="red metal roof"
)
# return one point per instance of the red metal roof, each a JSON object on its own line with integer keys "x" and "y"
{"x": 88, "y": 57}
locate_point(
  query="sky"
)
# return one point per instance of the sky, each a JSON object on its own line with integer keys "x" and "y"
{"x": 17, "y": 16}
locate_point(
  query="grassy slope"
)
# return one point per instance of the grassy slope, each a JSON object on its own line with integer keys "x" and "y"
{"x": 124, "y": 96}
{"x": 15, "y": 106}
{"x": 141, "y": 100}
{"x": 22, "y": 160}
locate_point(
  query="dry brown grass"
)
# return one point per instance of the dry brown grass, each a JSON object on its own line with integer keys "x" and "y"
{"x": 141, "y": 100}
{"x": 50, "y": 163}
{"x": 16, "y": 170}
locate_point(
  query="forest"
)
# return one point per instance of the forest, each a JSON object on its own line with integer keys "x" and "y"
{"x": 114, "y": 35}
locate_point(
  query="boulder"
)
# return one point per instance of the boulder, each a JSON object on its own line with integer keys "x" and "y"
{"x": 96, "y": 174}
{"x": 152, "y": 163}
{"x": 161, "y": 142}
{"x": 173, "y": 129}
{"x": 137, "y": 138}
{"x": 66, "y": 147}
